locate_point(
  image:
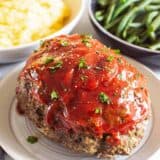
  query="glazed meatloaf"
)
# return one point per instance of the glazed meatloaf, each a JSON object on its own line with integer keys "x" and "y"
{"x": 84, "y": 95}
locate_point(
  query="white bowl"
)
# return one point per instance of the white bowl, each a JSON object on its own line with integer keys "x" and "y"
{"x": 19, "y": 53}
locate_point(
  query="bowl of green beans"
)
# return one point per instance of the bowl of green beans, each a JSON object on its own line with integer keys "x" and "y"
{"x": 133, "y": 26}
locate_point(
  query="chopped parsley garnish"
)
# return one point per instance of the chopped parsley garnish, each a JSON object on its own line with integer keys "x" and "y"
{"x": 48, "y": 59}
{"x": 86, "y": 40}
{"x": 88, "y": 36}
{"x": 56, "y": 66}
{"x": 104, "y": 98}
{"x": 54, "y": 95}
{"x": 98, "y": 111}
{"x": 64, "y": 43}
{"x": 32, "y": 139}
{"x": 110, "y": 58}
{"x": 82, "y": 63}
{"x": 117, "y": 51}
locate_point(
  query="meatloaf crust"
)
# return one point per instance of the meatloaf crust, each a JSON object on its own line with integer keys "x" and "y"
{"x": 80, "y": 138}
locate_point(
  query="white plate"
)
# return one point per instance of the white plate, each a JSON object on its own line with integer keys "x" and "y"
{"x": 14, "y": 129}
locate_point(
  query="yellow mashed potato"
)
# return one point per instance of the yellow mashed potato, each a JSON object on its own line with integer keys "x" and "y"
{"x": 24, "y": 21}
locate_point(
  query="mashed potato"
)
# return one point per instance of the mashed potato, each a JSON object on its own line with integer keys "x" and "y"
{"x": 24, "y": 21}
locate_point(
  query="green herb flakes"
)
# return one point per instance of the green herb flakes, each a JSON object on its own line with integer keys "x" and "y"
{"x": 104, "y": 98}
{"x": 32, "y": 139}
{"x": 110, "y": 58}
{"x": 82, "y": 63}
{"x": 64, "y": 43}
{"x": 117, "y": 51}
{"x": 57, "y": 65}
{"x": 87, "y": 36}
{"x": 48, "y": 59}
{"x": 86, "y": 40}
{"x": 54, "y": 95}
{"x": 98, "y": 111}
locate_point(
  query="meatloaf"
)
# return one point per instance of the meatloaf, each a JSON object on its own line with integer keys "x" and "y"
{"x": 84, "y": 95}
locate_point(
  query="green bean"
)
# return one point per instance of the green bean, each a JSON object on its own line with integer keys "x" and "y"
{"x": 155, "y": 46}
{"x": 113, "y": 23}
{"x": 124, "y": 22}
{"x": 152, "y": 7}
{"x": 155, "y": 1}
{"x": 152, "y": 34}
{"x": 124, "y": 34}
{"x": 123, "y": 1}
{"x": 136, "y": 21}
{"x": 150, "y": 17}
{"x": 153, "y": 27}
{"x": 143, "y": 37}
{"x": 103, "y": 2}
{"x": 99, "y": 15}
{"x": 110, "y": 13}
{"x": 156, "y": 23}
{"x": 133, "y": 38}
{"x": 136, "y": 24}
{"x": 158, "y": 32}
{"x": 141, "y": 33}
{"x": 130, "y": 14}
{"x": 122, "y": 7}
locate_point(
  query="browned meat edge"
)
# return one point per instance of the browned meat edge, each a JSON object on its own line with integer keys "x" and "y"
{"x": 78, "y": 142}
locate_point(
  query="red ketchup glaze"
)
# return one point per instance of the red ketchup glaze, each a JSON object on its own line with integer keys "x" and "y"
{"x": 87, "y": 69}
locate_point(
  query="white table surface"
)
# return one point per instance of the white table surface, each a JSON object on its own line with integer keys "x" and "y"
{"x": 84, "y": 26}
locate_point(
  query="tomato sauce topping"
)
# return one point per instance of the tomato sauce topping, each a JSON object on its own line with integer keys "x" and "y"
{"x": 87, "y": 85}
